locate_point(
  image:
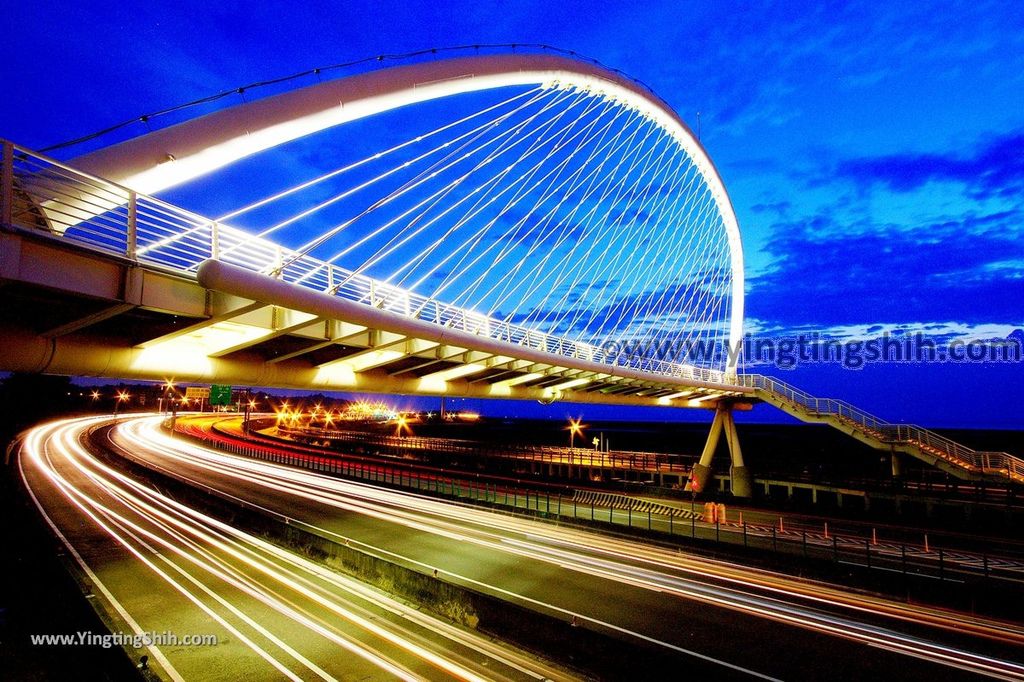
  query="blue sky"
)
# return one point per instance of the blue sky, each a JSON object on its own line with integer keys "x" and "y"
{"x": 874, "y": 152}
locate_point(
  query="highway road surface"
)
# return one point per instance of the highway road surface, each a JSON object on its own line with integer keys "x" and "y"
{"x": 169, "y": 567}
{"x": 163, "y": 568}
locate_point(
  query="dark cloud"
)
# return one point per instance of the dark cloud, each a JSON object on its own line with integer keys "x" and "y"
{"x": 702, "y": 289}
{"x": 778, "y": 207}
{"x": 995, "y": 169}
{"x": 826, "y": 273}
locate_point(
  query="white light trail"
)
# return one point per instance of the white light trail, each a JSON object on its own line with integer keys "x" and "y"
{"x": 210, "y": 565}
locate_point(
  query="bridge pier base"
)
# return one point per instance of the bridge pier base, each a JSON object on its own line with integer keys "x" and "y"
{"x": 742, "y": 481}
{"x": 701, "y": 473}
{"x": 699, "y": 477}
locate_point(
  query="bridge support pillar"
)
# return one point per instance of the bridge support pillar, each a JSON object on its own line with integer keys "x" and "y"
{"x": 897, "y": 464}
{"x": 701, "y": 473}
{"x": 742, "y": 481}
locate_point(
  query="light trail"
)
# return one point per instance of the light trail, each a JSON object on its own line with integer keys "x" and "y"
{"x": 228, "y": 431}
{"x": 236, "y": 580}
{"x": 266, "y": 573}
{"x": 758, "y": 593}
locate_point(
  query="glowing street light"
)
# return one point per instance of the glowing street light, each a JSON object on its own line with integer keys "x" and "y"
{"x": 168, "y": 395}
{"x": 250, "y": 405}
{"x": 574, "y": 428}
{"x": 122, "y": 396}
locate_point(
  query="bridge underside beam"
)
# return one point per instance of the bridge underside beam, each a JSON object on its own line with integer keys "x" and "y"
{"x": 88, "y": 320}
{"x": 79, "y": 356}
{"x": 330, "y": 338}
{"x": 89, "y": 314}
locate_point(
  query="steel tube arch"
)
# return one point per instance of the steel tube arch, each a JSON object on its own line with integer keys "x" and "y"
{"x": 174, "y": 155}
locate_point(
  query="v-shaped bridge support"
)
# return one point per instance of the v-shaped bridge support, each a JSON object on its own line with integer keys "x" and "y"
{"x": 742, "y": 482}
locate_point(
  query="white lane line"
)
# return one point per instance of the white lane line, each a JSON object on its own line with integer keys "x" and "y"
{"x": 136, "y": 628}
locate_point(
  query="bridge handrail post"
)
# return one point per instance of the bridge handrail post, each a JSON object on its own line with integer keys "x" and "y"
{"x": 132, "y": 237}
{"x": 7, "y": 183}
{"x": 215, "y": 240}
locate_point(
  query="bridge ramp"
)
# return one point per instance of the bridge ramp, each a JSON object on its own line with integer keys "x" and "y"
{"x": 927, "y": 446}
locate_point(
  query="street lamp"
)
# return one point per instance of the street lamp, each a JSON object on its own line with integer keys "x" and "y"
{"x": 122, "y": 396}
{"x": 574, "y": 428}
{"x": 168, "y": 386}
{"x": 250, "y": 405}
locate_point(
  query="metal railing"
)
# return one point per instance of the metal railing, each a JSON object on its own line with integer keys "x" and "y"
{"x": 849, "y": 547}
{"x": 893, "y": 434}
{"x": 550, "y": 454}
{"x": 45, "y": 195}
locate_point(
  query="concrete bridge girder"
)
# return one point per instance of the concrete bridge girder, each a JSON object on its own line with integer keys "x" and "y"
{"x": 222, "y": 332}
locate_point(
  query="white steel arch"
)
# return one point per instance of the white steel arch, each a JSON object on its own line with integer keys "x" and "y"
{"x": 174, "y": 155}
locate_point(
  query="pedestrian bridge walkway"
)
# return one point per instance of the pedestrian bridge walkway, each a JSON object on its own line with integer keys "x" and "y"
{"x": 927, "y": 446}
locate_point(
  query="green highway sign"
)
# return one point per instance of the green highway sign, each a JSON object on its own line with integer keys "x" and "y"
{"x": 220, "y": 395}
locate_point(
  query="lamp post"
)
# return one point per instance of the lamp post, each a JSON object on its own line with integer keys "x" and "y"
{"x": 167, "y": 386}
{"x": 574, "y": 428}
{"x": 174, "y": 411}
{"x": 250, "y": 403}
{"x": 122, "y": 396}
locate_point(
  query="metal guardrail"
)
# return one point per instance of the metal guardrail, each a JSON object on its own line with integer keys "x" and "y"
{"x": 586, "y": 457}
{"x": 903, "y": 434}
{"x": 592, "y": 508}
{"x": 40, "y": 193}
